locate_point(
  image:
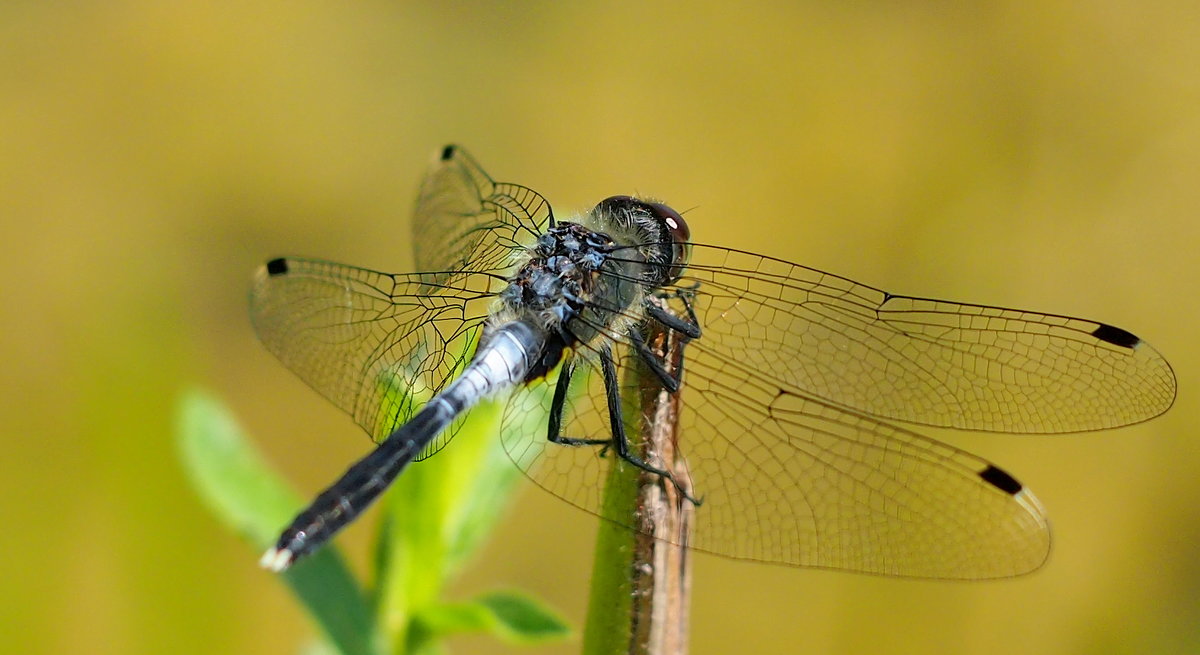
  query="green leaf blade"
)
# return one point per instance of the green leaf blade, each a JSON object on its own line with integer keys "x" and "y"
{"x": 511, "y": 617}
{"x": 523, "y": 619}
{"x": 245, "y": 494}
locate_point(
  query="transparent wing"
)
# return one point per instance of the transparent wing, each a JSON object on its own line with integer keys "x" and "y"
{"x": 466, "y": 222}
{"x": 779, "y": 422}
{"x": 922, "y": 360}
{"x": 376, "y": 345}
{"x": 801, "y": 482}
{"x": 379, "y": 345}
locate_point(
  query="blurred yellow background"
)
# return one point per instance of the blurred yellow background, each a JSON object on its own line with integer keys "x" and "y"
{"x": 1041, "y": 155}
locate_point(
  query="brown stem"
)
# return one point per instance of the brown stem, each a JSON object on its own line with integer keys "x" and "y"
{"x": 641, "y": 607}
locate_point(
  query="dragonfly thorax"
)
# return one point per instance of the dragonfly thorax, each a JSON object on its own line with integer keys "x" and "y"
{"x": 571, "y": 288}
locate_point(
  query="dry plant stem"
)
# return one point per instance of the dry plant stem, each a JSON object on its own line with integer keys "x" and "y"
{"x": 641, "y": 584}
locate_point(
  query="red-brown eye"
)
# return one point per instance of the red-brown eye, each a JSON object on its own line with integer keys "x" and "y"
{"x": 681, "y": 236}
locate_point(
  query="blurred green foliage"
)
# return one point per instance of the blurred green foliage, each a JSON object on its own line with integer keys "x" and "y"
{"x": 435, "y": 520}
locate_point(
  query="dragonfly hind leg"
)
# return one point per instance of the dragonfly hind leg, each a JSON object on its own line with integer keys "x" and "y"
{"x": 554, "y": 426}
{"x": 619, "y": 441}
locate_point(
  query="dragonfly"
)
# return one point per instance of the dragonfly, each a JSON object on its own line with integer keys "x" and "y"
{"x": 795, "y": 382}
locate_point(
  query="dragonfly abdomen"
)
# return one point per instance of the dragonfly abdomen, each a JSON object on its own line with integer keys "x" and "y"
{"x": 504, "y": 358}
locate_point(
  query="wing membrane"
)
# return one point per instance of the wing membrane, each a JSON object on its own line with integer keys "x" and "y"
{"x": 376, "y": 345}
{"x": 779, "y": 424}
{"x": 799, "y": 481}
{"x": 466, "y": 222}
{"x": 808, "y": 483}
{"x": 379, "y": 345}
{"x": 921, "y": 360}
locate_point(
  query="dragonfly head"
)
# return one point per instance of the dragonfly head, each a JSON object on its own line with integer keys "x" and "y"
{"x": 663, "y": 236}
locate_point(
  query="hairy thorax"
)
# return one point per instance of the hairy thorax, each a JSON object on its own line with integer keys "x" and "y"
{"x": 577, "y": 285}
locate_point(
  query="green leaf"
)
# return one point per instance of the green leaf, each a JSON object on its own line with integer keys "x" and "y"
{"x": 444, "y": 619}
{"x": 251, "y": 499}
{"x": 525, "y": 619}
{"x": 508, "y": 616}
{"x": 479, "y": 487}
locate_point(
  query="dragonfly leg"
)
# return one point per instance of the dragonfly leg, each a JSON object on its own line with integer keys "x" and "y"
{"x": 554, "y": 427}
{"x": 670, "y": 381}
{"x": 619, "y": 441}
{"x": 689, "y": 327}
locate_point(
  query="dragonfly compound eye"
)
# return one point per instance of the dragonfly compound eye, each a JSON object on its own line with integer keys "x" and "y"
{"x": 681, "y": 235}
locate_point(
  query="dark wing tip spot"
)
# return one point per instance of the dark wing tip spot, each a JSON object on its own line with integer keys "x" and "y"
{"x": 1001, "y": 480}
{"x": 448, "y": 151}
{"x": 1116, "y": 336}
{"x": 277, "y": 266}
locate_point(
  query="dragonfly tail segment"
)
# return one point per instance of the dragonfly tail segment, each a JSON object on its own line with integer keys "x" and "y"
{"x": 505, "y": 357}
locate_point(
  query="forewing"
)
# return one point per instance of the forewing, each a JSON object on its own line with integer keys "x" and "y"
{"x": 376, "y": 345}
{"x": 466, "y": 222}
{"x": 921, "y": 360}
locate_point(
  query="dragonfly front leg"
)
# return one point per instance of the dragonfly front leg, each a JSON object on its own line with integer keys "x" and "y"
{"x": 690, "y": 329}
{"x": 670, "y": 381}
